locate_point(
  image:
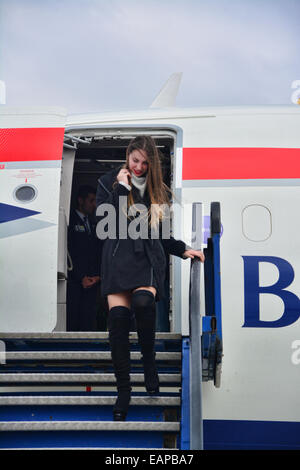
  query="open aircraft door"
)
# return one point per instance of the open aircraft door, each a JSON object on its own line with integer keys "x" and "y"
{"x": 31, "y": 146}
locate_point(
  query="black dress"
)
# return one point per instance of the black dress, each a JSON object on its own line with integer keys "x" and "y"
{"x": 128, "y": 263}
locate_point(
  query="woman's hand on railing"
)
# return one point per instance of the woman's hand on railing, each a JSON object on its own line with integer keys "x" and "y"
{"x": 192, "y": 253}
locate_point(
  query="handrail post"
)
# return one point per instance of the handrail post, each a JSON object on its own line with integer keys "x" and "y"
{"x": 196, "y": 420}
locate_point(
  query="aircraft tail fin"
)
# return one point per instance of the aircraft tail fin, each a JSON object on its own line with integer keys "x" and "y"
{"x": 167, "y": 95}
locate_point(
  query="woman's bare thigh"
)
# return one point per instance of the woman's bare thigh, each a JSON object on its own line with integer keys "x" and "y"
{"x": 122, "y": 299}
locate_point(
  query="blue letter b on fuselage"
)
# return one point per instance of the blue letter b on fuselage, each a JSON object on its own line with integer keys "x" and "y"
{"x": 252, "y": 290}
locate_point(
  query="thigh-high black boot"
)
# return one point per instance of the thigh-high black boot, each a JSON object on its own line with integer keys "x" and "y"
{"x": 118, "y": 327}
{"x": 143, "y": 305}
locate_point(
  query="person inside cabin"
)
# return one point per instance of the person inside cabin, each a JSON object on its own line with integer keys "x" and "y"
{"x": 133, "y": 268}
{"x": 84, "y": 248}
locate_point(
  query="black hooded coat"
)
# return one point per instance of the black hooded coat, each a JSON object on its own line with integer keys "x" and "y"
{"x": 128, "y": 263}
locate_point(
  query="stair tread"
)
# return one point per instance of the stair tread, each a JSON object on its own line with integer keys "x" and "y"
{"x": 26, "y": 355}
{"x": 90, "y": 425}
{"x": 82, "y": 335}
{"x": 88, "y": 400}
{"x": 73, "y": 377}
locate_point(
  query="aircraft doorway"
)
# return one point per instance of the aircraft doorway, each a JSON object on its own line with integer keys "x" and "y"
{"x": 94, "y": 156}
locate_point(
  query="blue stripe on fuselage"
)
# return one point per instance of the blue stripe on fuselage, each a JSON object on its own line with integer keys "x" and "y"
{"x": 9, "y": 212}
{"x": 236, "y": 434}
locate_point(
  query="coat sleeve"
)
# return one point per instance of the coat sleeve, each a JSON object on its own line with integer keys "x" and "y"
{"x": 78, "y": 273}
{"x": 175, "y": 247}
{"x": 110, "y": 195}
{"x": 78, "y": 261}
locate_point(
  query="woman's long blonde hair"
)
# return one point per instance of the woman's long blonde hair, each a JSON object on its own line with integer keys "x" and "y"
{"x": 158, "y": 191}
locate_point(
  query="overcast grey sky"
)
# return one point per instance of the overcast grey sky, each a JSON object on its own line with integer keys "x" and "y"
{"x": 94, "y": 55}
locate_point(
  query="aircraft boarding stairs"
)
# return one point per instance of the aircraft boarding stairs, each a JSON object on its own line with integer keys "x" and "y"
{"x": 52, "y": 417}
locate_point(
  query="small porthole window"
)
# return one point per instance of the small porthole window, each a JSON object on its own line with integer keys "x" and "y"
{"x": 25, "y": 193}
{"x": 257, "y": 222}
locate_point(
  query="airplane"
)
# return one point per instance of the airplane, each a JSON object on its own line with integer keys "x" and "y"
{"x": 245, "y": 157}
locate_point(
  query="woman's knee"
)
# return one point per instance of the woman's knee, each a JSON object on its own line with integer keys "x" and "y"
{"x": 142, "y": 299}
{"x": 149, "y": 288}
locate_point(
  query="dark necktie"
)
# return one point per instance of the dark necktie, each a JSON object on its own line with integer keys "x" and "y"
{"x": 86, "y": 224}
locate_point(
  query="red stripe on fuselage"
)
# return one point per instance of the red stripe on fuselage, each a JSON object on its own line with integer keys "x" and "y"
{"x": 240, "y": 163}
{"x": 30, "y": 144}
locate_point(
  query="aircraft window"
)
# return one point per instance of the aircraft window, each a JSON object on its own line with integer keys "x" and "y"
{"x": 257, "y": 222}
{"x": 25, "y": 193}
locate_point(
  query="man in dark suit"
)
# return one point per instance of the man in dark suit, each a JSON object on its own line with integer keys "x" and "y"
{"x": 84, "y": 248}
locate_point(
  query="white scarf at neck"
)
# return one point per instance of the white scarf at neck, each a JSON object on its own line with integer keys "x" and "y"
{"x": 139, "y": 182}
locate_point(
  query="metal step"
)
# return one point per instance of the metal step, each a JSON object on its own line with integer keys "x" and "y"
{"x": 20, "y": 377}
{"x": 85, "y": 335}
{"x": 90, "y": 426}
{"x": 82, "y": 355}
{"x": 87, "y": 400}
